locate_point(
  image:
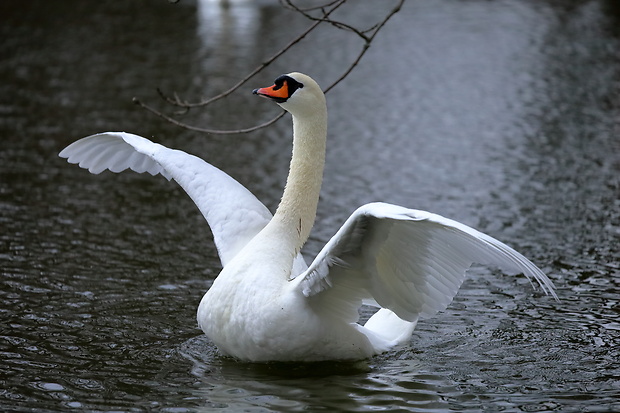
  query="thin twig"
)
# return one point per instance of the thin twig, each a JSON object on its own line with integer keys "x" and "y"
{"x": 288, "y": 5}
{"x": 184, "y": 104}
{"x": 340, "y": 25}
{"x": 367, "y": 35}
{"x": 366, "y": 46}
{"x": 204, "y": 130}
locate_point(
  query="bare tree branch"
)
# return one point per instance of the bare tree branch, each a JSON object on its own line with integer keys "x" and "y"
{"x": 326, "y": 10}
{"x": 205, "y": 130}
{"x": 185, "y": 104}
{"x": 366, "y": 45}
{"x": 338, "y": 24}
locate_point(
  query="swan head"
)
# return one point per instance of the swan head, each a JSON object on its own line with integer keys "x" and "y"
{"x": 296, "y": 93}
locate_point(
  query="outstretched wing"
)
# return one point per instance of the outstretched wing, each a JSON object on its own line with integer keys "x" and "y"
{"x": 411, "y": 262}
{"x": 234, "y": 214}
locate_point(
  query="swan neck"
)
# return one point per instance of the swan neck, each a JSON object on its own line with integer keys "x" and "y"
{"x": 297, "y": 209}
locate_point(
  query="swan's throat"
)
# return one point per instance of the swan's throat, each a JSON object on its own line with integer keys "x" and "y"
{"x": 297, "y": 210}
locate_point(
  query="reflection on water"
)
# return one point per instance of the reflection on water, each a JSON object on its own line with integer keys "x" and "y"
{"x": 228, "y": 31}
{"x": 226, "y": 24}
{"x": 502, "y": 115}
{"x": 317, "y": 386}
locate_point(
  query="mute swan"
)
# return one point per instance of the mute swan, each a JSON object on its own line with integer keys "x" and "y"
{"x": 267, "y": 304}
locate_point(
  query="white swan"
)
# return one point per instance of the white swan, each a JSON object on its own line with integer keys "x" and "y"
{"x": 267, "y": 304}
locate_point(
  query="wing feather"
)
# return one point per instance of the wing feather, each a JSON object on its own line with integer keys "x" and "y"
{"x": 410, "y": 262}
{"x": 234, "y": 214}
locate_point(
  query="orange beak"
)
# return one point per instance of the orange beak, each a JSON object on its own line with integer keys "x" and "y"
{"x": 279, "y": 94}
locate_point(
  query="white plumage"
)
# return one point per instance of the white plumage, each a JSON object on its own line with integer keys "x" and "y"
{"x": 267, "y": 304}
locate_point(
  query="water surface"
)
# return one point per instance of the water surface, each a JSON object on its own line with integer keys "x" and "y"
{"x": 503, "y": 115}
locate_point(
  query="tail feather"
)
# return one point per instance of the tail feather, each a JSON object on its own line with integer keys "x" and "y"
{"x": 386, "y": 330}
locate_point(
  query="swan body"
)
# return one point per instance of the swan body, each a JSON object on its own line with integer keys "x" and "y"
{"x": 267, "y": 304}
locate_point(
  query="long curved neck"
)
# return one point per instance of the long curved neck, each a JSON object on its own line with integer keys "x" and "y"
{"x": 297, "y": 209}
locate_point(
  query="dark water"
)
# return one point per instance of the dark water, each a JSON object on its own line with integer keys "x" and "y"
{"x": 503, "y": 115}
